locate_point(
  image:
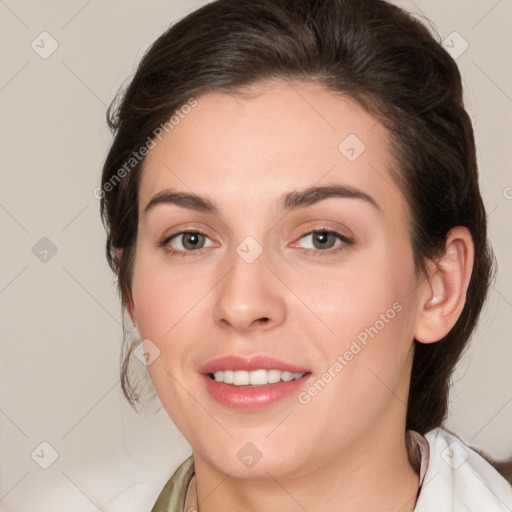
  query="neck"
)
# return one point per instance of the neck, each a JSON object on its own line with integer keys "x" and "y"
{"x": 375, "y": 475}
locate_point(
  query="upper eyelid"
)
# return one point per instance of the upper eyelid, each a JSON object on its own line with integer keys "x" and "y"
{"x": 186, "y": 230}
{"x": 325, "y": 230}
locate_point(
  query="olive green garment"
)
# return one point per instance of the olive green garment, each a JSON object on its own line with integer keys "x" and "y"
{"x": 172, "y": 497}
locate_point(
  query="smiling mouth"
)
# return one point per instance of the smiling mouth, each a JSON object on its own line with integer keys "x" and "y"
{"x": 254, "y": 378}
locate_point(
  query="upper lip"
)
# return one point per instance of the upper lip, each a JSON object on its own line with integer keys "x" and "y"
{"x": 257, "y": 362}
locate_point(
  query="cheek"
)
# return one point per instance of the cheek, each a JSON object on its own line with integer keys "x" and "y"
{"x": 355, "y": 296}
{"x": 365, "y": 357}
{"x": 163, "y": 296}
{"x": 368, "y": 307}
{"x": 170, "y": 314}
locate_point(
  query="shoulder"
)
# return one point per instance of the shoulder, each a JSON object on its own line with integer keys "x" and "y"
{"x": 458, "y": 479}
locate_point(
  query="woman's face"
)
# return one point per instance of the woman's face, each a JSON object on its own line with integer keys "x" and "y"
{"x": 298, "y": 250}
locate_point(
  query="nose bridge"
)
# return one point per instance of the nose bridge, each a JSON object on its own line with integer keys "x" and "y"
{"x": 247, "y": 296}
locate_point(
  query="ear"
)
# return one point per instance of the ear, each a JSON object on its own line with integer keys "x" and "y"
{"x": 130, "y": 307}
{"x": 443, "y": 295}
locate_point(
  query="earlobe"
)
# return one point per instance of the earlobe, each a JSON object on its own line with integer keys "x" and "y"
{"x": 443, "y": 296}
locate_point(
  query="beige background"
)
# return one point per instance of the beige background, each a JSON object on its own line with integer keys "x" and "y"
{"x": 60, "y": 325}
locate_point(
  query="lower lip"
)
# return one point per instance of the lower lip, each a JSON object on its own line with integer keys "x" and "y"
{"x": 249, "y": 398}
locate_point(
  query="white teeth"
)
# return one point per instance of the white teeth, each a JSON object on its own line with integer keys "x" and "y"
{"x": 274, "y": 376}
{"x": 240, "y": 378}
{"x": 255, "y": 377}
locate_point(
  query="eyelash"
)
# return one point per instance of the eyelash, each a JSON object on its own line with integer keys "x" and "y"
{"x": 314, "y": 252}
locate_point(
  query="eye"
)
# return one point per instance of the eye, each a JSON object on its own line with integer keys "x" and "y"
{"x": 324, "y": 240}
{"x": 187, "y": 241}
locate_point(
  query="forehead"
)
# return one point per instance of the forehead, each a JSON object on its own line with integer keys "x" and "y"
{"x": 254, "y": 148}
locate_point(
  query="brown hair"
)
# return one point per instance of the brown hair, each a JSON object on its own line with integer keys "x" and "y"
{"x": 369, "y": 50}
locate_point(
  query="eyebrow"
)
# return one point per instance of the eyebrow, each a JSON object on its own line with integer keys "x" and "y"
{"x": 309, "y": 196}
{"x": 290, "y": 201}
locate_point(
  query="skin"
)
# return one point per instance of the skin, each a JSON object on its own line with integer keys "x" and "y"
{"x": 344, "y": 450}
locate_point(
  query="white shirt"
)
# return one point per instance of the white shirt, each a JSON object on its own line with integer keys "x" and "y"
{"x": 455, "y": 478}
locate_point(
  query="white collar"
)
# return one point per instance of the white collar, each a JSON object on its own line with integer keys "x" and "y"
{"x": 455, "y": 478}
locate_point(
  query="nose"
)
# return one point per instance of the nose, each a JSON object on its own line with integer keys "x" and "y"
{"x": 249, "y": 297}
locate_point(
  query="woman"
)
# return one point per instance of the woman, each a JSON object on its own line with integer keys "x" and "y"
{"x": 293, "y": 213}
